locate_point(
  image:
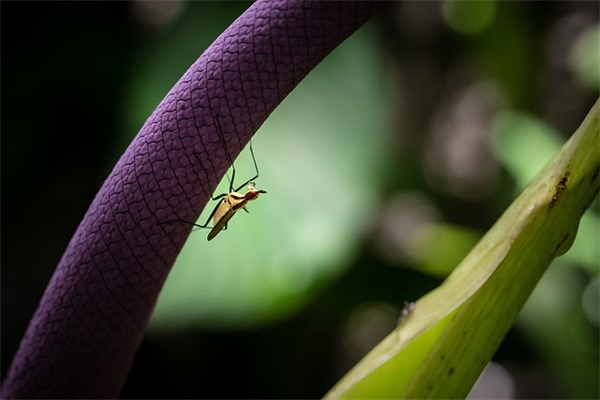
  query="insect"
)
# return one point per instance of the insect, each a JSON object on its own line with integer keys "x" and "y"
{"x": 232, "y": 202}
{"x": 409, "y": 307}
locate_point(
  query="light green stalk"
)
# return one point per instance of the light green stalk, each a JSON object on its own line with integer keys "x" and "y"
{"x": 440, "y": 350}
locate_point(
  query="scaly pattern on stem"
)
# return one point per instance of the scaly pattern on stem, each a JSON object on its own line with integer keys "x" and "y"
{"x": 90, "y": 321}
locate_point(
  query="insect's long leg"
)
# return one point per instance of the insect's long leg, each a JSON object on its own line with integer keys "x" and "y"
{"x": 219, "y": 197}
{"x": 222, "y": 138}
{"x": 255, "y": 167}
{"x": 231, "y": 182}
{"x": 212, "y": 214}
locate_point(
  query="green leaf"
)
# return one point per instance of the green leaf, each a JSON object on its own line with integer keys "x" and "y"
{"x": 440, "y": 349}
{"x": 523, "y": 144}
{"x": 585, "y": 58}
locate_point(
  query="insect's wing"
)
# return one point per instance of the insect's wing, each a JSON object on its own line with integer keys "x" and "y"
{"x": 221, "y": 210}
{"x": 221, "y": 223}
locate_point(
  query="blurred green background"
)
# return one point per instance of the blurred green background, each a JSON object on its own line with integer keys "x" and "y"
{"x": 383, "y": 168}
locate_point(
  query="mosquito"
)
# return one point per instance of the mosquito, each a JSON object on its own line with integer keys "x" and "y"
{"x": 232, "y": 202}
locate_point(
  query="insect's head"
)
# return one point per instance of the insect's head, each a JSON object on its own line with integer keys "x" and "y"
{"x": 253, "y": 193}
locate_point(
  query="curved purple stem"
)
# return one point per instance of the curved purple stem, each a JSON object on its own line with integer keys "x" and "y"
{"x": 90, "y": 321}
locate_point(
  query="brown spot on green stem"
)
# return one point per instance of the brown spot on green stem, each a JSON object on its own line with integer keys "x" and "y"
{"x": 560, "y": 188}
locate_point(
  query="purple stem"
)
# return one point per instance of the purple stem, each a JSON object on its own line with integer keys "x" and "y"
{"x": 82, "y": 339}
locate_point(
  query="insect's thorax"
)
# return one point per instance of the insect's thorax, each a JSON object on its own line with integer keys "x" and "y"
{"x": 236, "y": 200}
{"x": 233, "y": 200}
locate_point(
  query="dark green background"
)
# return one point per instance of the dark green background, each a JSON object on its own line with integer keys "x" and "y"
{"x": 79, "y": 79}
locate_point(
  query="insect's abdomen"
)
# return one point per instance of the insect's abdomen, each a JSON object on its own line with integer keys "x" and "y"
{"x": 221, "y": 210}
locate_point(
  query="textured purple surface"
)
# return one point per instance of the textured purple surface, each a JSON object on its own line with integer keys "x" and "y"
{"x": 84, "y": 334}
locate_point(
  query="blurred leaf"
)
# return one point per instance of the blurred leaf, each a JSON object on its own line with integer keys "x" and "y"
{"x": 442, "y": 347}
{"x": 523, "y": 144}
{"x": 453, "y": 244}
{"x": 585, "y": 57}
{"x": 591, "y": 301}
{"x": 559, "y": 331}
{"x": 469, "y": 17}
{"x": 585, "y": 251}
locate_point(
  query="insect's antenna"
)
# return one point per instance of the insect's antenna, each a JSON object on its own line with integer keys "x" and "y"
{"x": 222, "y": 138}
